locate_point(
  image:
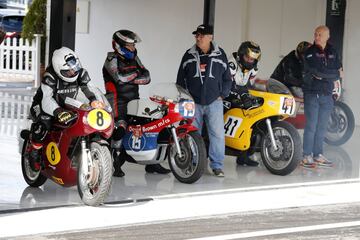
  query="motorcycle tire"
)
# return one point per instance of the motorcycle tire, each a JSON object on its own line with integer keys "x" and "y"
{"x": 341, "y": 125}
{"x": 95, "y": 193}
{"x": 281, "y": 161}
{"x": 31, "y": 177}
{"x": 191, "y": 166}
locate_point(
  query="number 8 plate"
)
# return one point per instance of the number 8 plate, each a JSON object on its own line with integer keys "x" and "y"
{"x": 99, "y": 119}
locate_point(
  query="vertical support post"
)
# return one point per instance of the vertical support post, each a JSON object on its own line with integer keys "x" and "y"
{"x": 38, "y": 56}
{"x": 335, "y": 20}
{"x": 209, "y": 12}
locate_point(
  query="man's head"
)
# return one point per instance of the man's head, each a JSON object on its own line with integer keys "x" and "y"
{"x": 124, "y": 43}
{"x": 248, "y": 55}
{"x": 203, "y": 35}
{"x": 321, "y": 36}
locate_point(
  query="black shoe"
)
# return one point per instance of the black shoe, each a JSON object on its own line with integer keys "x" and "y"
{"x": 246, "y": 161}
{"x": 118, "y": 172}
{"x": 34, "y": 160}
{"x": 218, "y": 172}
{"x": 156, "y": 168}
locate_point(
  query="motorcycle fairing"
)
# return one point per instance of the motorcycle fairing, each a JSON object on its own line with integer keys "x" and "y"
{"x": 141, "y": 147}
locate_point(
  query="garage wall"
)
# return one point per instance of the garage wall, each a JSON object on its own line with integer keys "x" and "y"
{"x": 164, "y": 26}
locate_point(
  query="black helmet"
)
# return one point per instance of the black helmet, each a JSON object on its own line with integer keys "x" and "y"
{"x": 122, "y": 38}
{"x": 250, "y": 50}
{"x": 301, "y": 48}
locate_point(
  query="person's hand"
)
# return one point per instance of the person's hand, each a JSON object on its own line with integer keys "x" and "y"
{"x": 64, "y": 116}
{"x": 318, "y": 78}
{"x": 97, "y": 104}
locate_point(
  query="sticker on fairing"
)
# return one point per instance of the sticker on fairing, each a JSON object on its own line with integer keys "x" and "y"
{"x": 53, "y": 153}
{"x": 99, "y": 119}
{"x": 287, "y": 105}
{"x": 187, "y": 109}
{"x": 231, "y": 125}
{"x": 143, "y": 142}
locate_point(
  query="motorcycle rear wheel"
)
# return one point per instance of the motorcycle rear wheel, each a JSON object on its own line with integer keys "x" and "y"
{"x": 190, "y": 167}
{"x": 341, "y": 125}
{"x": 286, "y": 158}
{"x": 31, "y": 177}
{"x": 95, "y": 192}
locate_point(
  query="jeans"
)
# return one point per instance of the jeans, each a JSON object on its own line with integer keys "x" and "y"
{"x": 317, "y": 113}
{"x": 214, "y": 119}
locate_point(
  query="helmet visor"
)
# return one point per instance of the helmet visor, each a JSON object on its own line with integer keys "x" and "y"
{"x": 73, "y": 66}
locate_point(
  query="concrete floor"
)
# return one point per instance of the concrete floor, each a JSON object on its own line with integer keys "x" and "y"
{"x": 15, "y": 195}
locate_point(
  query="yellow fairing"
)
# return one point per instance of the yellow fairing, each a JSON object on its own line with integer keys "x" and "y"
{"x": 99, "y": 119}
{"x": 239, "y": 122}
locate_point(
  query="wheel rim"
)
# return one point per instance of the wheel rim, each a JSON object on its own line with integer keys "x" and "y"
{"x": 30, "y": 173}
{"x": 337, "y": 126}
{"x": 280, "y": 158}
{"x": 189, "y": 162}
{"x": 94, "y": 178}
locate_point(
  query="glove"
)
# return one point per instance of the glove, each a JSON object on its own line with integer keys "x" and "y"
{"x": 63, "y": 116}
{"x": 247, "y": 100}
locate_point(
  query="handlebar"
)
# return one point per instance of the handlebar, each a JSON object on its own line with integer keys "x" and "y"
{"x": 156, "y": 110}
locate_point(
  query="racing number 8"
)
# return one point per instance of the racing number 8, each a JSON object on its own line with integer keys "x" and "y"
{"x": 100, "y": 119}
{"x": 52, "y": 154}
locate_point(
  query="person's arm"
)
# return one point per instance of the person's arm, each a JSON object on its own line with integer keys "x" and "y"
{"x": 180, "y": 79}
{"x": 118, "y": 74}
{"x": 84, "y": 85}
{"x": 320, "y": 71}
{"x": 226, "y": 79}
{"x": 143, "y": 77}
{"x": 48, "y": 103}
{"x": 289, "y": 74}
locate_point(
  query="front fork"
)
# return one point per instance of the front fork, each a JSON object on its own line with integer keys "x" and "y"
{"x": 86, "y": 162}
{"x": 271, "y": 133}
{"x": 176, "y": 141}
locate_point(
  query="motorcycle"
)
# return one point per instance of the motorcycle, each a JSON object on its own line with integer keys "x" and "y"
{"x": 341, "y": 123}
{"x": 161, "y": 127}
{"x": 260, "y": 128}
{"x": 76, "y": 153}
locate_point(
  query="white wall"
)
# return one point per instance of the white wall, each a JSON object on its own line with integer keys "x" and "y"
{"x": 164, "y": 26}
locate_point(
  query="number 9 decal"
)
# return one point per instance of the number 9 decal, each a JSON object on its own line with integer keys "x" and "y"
{"x": 53, "y": 153}
{"x": 99, "y": 119}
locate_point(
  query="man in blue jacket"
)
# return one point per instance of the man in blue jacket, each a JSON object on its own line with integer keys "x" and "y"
{"x": 322, "y": 67}
{"x": 205, "y": 73}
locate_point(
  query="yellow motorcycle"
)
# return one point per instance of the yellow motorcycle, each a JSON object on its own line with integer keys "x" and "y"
{"x": 260, "y": 128}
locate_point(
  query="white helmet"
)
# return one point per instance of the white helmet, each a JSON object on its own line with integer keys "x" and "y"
{"x": 66, "y": 64}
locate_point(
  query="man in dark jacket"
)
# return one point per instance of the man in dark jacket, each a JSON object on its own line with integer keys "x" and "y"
{"x": 205, "y": 73}
{"x": 322, "y": 67}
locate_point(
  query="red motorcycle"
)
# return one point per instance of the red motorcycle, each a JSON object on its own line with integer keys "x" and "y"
{"x": 161, "y": 128}
{"x": 76, "y": 154}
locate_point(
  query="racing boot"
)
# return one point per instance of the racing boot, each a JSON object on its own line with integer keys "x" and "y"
{"x": 156, "y": 168}
{"x": 118, "y": 162}
{"x": 244, "y": 159}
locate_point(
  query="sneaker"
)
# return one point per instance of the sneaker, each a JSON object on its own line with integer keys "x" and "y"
{"x": 218, "y": 172}
{"x": 308, "y": 162}
{"x": 322, "y": 161}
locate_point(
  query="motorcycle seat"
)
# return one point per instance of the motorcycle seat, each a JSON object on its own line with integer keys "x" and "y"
{"x": 138, "y": 108}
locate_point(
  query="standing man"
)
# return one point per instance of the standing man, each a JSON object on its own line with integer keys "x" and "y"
{"x": 322, "y": 67}
{"x": 205, "y": 73}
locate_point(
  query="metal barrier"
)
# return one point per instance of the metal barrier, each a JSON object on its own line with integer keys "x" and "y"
{"x": 20, "y": 59}
{"x": 14, "y": 110}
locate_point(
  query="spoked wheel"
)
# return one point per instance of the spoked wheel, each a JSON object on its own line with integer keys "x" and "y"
{"x": 32, "y": 177}
{"x": 284, "y": 159}
{"x": 191, "y": 165}
{"x": 341, "y": 125}
{"x": 94, "y": 185}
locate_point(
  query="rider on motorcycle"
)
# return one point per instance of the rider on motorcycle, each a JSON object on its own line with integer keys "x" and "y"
{"x": 243, "y": 68}
{"x": 62, "y": 80}
{"x": 123, "y": 72}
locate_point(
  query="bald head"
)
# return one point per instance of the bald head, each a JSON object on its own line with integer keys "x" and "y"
{"x": 321, "y": 36}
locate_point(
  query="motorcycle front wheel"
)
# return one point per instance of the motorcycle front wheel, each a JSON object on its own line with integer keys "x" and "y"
{"x": 191, "y": 165}
{"x": 341, "y": 125}
{"x": 283, "y": 160}
{"x": 94, "y": 186}
{"x": 31, "y": 177}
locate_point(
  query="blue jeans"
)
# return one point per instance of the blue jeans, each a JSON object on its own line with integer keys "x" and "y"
{"x": 317, "y": 113}
{"x": 212, "y": 114}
